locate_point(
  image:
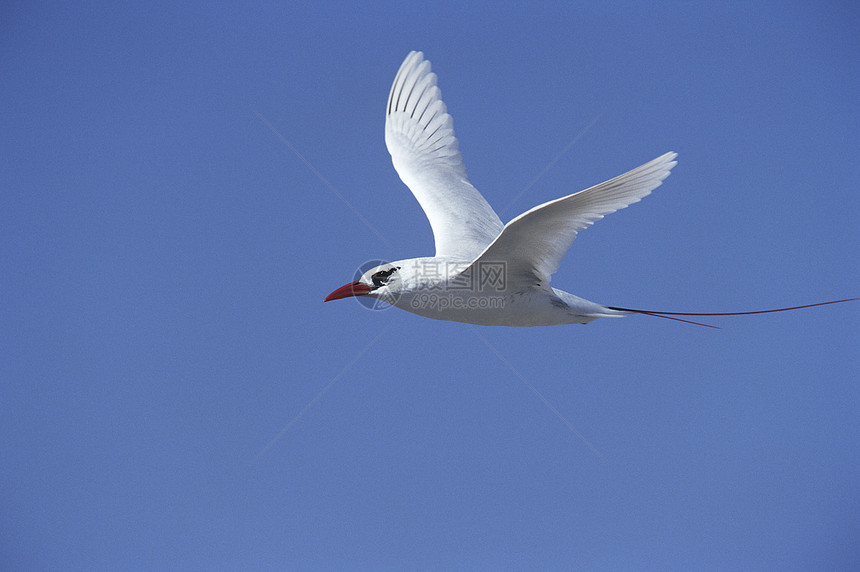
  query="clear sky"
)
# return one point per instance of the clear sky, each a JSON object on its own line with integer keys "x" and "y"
{"x": 164, "y": 254}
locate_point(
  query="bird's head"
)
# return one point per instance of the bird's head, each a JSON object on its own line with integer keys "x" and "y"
{"x": 381, "y": 282}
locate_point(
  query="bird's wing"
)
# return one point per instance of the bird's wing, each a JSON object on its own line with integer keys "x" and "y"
{"x": 419, "y": 135}
{"x": 532, "y": 245}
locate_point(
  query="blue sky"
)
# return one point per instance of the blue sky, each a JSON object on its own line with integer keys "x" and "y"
{"x": 165, "y": 253}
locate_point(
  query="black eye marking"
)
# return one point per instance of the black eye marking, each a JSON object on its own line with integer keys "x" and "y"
{"x": 381, "y": 278}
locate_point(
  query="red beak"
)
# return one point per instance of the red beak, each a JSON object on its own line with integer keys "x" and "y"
{"x": 352, "y": 289}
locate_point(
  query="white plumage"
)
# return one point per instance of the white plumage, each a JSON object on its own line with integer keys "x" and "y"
{"x": 419, "y": 134}
{"x": 483, "y": 272}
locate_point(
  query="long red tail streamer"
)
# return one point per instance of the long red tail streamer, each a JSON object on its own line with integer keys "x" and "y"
{"x": 668, "y": 315}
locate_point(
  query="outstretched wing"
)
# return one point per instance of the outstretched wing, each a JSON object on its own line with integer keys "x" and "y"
{"x": 533, "y": 244}
{"x": 419, "y": 135}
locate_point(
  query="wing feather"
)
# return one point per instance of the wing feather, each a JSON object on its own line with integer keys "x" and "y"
{"x": 533, "y": 244}
{"x": 419, "y": 134}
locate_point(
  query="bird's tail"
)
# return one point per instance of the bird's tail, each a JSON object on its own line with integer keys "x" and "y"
{"x": 672, "y": 315}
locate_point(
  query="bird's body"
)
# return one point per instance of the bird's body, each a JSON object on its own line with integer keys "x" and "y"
{"x": 447, "y": 289}
{"x": 483, "y": 272}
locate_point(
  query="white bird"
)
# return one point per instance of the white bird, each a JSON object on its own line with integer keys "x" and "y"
{"x": 484, "y": 272}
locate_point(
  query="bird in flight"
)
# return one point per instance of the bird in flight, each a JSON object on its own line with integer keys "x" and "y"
{"x": 485, "y": 272}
